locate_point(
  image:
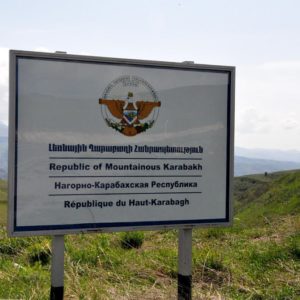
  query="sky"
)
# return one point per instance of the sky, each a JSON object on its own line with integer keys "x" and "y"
{"x": 260, "y": 38}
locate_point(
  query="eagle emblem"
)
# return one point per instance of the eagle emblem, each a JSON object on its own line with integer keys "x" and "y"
{"x": 125, "y": 115}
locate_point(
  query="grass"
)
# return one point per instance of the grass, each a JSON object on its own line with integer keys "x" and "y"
{"x": 3, "y": 202}
{"x": 257, "y": 258}
{"x": 132, "y": 239}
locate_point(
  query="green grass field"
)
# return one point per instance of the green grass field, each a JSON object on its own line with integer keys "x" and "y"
{"x": 3, "y": 202}
{"x": 257, "y": 258}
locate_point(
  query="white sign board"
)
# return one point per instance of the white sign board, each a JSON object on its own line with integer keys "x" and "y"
{"x": 115, "y": 144}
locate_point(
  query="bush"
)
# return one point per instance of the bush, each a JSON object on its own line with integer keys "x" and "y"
{"x": 214, "y": 233}
{"x": 295, "y": 246}
{"x": 132, "y": 239}
{"x": 39, "y": 253}
{"x": 214, "y": 263}
{"x": 12, "y": 246}
{"x": 213, "y": 270}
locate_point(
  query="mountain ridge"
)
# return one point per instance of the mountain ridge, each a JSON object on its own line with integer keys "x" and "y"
{"x": 247, "y": 161}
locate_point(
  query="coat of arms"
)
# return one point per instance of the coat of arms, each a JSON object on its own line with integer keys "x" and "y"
{"x": 129, "y": 105}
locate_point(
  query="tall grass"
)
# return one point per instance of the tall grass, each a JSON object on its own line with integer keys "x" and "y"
{"x": 258, "y": 258}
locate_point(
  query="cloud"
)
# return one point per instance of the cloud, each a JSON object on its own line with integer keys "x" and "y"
{"x": 267, "y": 101}
{"x": 42, "y": 49}
{"x": 274, "y": 83}
{"x": 290, "y": 123}
{"x": 281, "y": 65}
{"x": 71, "y": 137}
{"x": 251, "y": 121}
{"x": 4, "y": 73}
{"x": 3, "y": 129}
{"x": 4, "y": 58}
{"x": 267, "y": 105}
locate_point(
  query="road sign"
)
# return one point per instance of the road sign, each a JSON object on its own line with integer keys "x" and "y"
{"x": 103, "y": 144}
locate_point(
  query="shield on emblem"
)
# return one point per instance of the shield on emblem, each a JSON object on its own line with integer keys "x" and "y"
{"x": 130, "y": 116}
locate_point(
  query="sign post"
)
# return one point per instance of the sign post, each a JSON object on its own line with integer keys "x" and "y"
{"x": 185, "y": 264}
{"x": 57, "y": 268}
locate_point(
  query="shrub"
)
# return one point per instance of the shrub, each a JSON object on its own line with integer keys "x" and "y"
{"x": 214, "y": 263}
{"x": 295, "y": 246}
{"x": 214, "y": 233}
{"x": 39, "y": 253}
{"x": 132, "y": 239}
{"x": 12, "y": 246}
{"x": 213, "y": 270}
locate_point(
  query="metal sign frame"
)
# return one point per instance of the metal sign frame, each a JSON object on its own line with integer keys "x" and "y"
{"x": 59, "y": 229}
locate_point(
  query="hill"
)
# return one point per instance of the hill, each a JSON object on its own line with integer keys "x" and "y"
{"x": 3, "y": 150}
{"x": 3, "y": 200}
{"x": 257, "y": 258}
{"x": 274, "y": 192}
{"x": 3, "y": 157}
{"x": 246, "y": 165}
{"x": 3, "y": 130}
{"x": 269, "y": 154}
{"x": 247, "y": 161}
{"x": 3, "y": 190}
